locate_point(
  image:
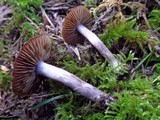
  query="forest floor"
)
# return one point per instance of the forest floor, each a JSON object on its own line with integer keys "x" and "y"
{"x": 129, "y": 28}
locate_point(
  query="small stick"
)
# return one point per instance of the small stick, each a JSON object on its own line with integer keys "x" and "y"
{"x": 33, "y": 23}
{"x": 44, "y": 14}
{"x": 57, "y": 8}
{"x": 150, "y": 29}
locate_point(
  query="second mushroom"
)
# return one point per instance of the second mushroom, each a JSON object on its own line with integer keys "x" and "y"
{"x": 76, "y": 28}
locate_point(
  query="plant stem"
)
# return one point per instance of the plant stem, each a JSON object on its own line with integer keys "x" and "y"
{"x": 72, "y": 81}
{"x": 98, "y": 44}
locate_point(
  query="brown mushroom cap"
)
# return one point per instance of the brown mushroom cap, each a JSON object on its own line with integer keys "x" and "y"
{"x": 25, "y": 78}
{"x": 78, "y": 15}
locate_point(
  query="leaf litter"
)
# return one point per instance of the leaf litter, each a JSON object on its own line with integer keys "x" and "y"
{"x": 53, "y": 13}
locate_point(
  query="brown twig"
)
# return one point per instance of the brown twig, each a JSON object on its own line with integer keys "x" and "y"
{"x": 8, "y": 117}
{"x": 4, "y": 11}
{"x": 158, "y": 2}
{"x": 3, "y": 19}
{"x": 41, "y": 95}
{"x": 103, "y": 17}
{"x": 7, "y": 108}
{"x": 33, "y": 23}
{"x": 46, "y": 16}
{"x": 147, "y": 23}
{"x": 57, "y": 8}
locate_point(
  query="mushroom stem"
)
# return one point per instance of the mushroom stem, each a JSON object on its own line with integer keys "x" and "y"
{"x": 73, "y": 82}
{"x": 98, "y": 44}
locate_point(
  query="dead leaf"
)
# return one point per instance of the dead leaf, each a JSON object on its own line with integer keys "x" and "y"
{"x": 4, "y": 69}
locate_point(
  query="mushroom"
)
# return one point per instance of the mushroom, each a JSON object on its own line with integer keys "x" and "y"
{"x": 30, "y": 64}
{"x": 76, "y": 26}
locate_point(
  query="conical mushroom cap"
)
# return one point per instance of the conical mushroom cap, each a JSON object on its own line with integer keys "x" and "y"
{"x": 25, "y": 78}
{"x": 78, "y": 15}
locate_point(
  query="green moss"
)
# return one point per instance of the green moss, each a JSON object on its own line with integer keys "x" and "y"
{"x": 123, "y": 30}
{"x": 154, "y": 19}
{"x": 90, "y": 3}
{"x": 5, "y": 81}
{"x": 21, "y": 10}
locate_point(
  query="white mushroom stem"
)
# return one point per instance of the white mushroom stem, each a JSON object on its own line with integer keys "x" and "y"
{"x": 98, "y": 44}
{"x": 70, "y": 80}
